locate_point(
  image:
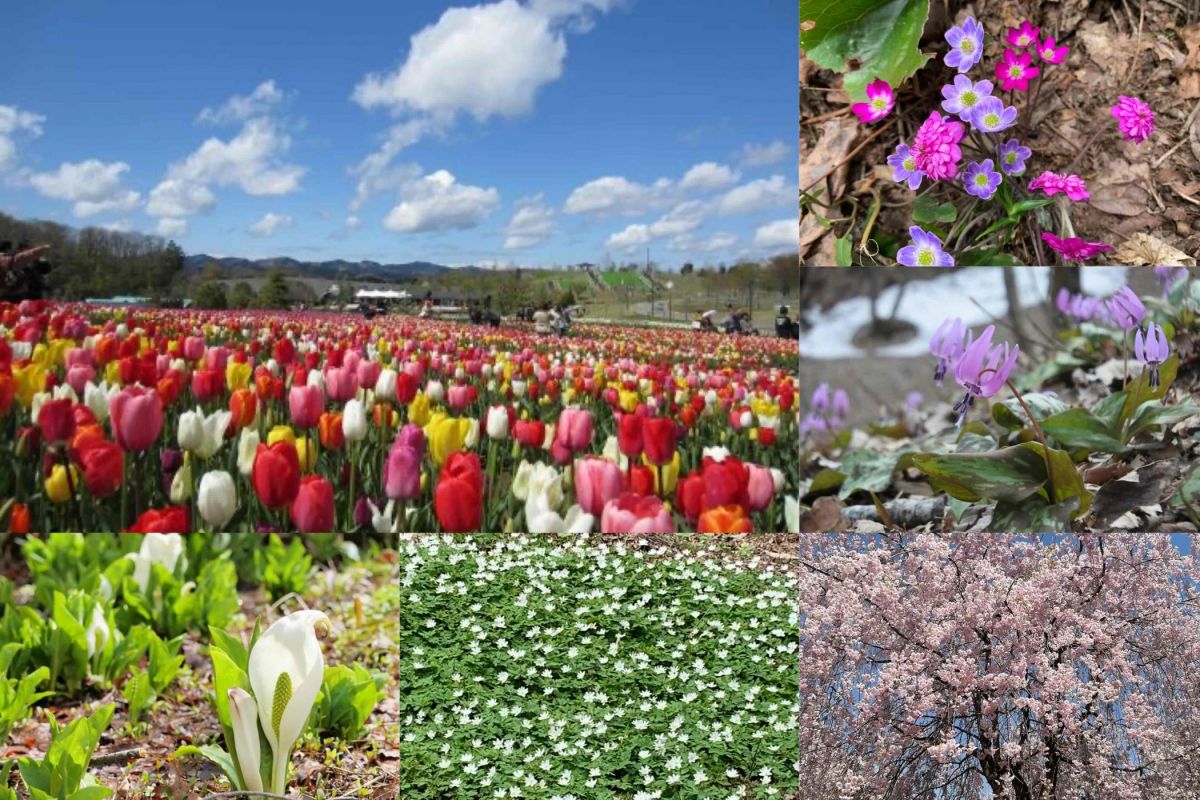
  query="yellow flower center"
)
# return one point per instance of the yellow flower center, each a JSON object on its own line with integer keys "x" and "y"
{"x": 925, "y": 257}
{"x": 991, "y": 120}
{"x": 968, "y": 98}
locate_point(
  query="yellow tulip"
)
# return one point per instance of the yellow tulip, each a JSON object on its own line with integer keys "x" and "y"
{"x": 306, "y": 454}
{"x": 628, "y": 401}
{"x": 30, "y": 380}
{"x": 58, "y": 350}
{"x": 237, "y": 375}
{"x": 281, "y": 433}
{"x": 446, "y": 435}
{"x": 418, "y": 410}
{"x": 58, "y": 489}
{"x": 670, "y": 473}
{"x": 112, "y": 373}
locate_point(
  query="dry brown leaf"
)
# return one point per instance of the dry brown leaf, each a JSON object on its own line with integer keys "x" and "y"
{"x": 1142, "y": 249}
{"x": 810, "y": 231}
{"x": 825, "y": 516}
{"x": 837, "y": 138}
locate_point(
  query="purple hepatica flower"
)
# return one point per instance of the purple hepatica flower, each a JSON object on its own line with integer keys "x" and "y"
{"x": 966, "y": 45}
{"x": 1152, "y": 350}
{"x": 925, "y": 251}
{"x": 991, "y": 115}
{"x": 904, "y": 167}
{"x": 1012, "y": 157}
{"x": 947, "y": 344}
{"x": 982, "y": 369}
{"x": 1126, "y": 309}
{"x": 981, "y": 180}
{"x": 963, "y": 96}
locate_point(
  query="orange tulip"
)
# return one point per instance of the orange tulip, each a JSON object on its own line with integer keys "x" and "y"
{"x": 19, "y": 520}
{"x": 725, "y": 519}
{"x": 242, "y": 405}
{"x": 329, "y": 426}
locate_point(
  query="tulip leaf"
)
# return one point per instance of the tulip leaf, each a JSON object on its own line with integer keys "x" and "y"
{"x": 881, "y": 35}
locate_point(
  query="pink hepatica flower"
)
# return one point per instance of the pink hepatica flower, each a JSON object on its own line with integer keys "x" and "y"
{"x": 879, "y": 103}
{"x": 1023, "y": 36}
{"x": 1151, "y": 350}
{"x": 1074, "y": 249}
{"x": 1071, "y": 185}
{"x": 982, "y": 369}
{"x": 1013, "y": 71}
{"x": 1049, "y": 53}
{"x": 1134, "y": 117}
{"x": 935, "y": 148}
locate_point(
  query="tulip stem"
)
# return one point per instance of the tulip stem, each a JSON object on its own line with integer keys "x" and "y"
{"x": 350, "y": 498}
{"x": 66, "y": 462}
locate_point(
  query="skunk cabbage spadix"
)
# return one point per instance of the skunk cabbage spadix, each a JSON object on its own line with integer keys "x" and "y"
{"x": 286, "y": 669}
{"x": 243, "y": 714}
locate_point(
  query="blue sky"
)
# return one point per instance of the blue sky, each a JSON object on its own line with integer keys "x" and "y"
{"x": 535, "y": 132}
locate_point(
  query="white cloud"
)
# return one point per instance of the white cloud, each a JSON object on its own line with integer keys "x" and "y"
{"x": 708, "y": 175}
{"x": 438, "y": 202}
{"x": 239, "y": 108}
{"x": 270, "y": 224}
{"x": 682, "y": 219}
{"x": 783, "y": 233}
{"x": 118, "y": 226}
{"x": 375, "y": 173}
{"x": 633, "y": 236}
{"x": 532, "y": 224}
{"x": 763, "y": 155}
{"x": 171, "y": 227}
{"x": 614, "y": 194}
{"x": 756, "y": 195}
{"x": 353, "y": 222}
{"x": 486, "y": 61}
{"x": 13, "y": 121}
{"x": 179, "y": 198}
{"x": 92, "y": 185}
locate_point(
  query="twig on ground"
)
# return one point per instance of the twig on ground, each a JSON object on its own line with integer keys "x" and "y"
{"x": 1167, "y": 154}
{"x": 117, "y": 756}
{"x": 837, "y": 112}
{"x": 851, "y": 154}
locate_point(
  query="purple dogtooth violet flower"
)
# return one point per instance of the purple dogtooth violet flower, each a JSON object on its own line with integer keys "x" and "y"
{"x": 820, "y": 399}
{"x": 983, "y": 370}
{"x": 1126, "y": 309}
{"x": 948, "y": 343}
{"x": 1152, "y": 350}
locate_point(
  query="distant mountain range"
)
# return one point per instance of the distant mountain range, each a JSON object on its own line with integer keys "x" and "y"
{"x": 354, "y": 270}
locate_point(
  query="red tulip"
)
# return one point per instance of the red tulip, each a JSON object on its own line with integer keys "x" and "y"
{"x": 658, "y": 436}
{"x": 312, "y": 510}
{"x": 103, "y": 466}
{"x": 136, "y": 416}
{"x": 766, "y": 436}
{"x": 56, "y": 420}
{"x": 458, "y": 500}
{"x": 173, "y": 519}
{"x": 276, "y": 474}
{"x": 406, "y": 388}
{"x": 725, "y": 482}
{"x": 207, "y": 384}
{"x": 285, "y": 351}
{"x": 530, "y": 432}
{"x": 640, "y": 480}
{"x": 689, "y": 495}
{"x": 629, "y": 435}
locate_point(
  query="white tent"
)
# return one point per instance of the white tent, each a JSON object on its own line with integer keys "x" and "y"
{"x": 381, "y": 294}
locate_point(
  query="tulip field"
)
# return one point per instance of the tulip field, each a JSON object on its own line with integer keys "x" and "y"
{"x": 156, "y": 420}
{"x": 167, "y": 665}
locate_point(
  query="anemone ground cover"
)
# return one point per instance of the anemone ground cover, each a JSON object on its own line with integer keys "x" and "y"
{"x": 555, "y": 666}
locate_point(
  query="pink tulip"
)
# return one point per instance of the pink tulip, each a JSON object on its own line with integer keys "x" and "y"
{"x": 306, "y": 404}
{"x": 136, "y": 415}
{"x": 574, "y": 431}
{"x": 402, "y": 472}
{"x": 216, "y": 358}
{"x": 80, "y": 357}
{"x": 761, "y": 487}
{"x": 631, "y": 513}
{"x": 368, "y": 372}
{"x": 78, "y": 376}
{"x": 341, "y": 383}
{"x": 597, "y": 480}
{"x": 193, "y": 348}
{"x": 459, "y": 397}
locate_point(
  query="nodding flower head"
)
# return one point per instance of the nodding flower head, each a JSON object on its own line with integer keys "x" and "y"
{"x": 1152, "y": 350}
{"x": 1126, "y": 309}
{"x": 1079, "y": 306}
{"x": 948, "y": 343}
{"x": 983, "y": 369}
{"x": 820, "y": 399}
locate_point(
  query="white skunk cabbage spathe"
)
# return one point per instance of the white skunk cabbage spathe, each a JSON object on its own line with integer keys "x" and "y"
{"x": 286, "y": 670}
{"x": 157, "y": 548}
{"x": 243, "y": 714}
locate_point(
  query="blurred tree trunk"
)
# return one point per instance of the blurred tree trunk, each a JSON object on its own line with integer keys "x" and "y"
{"x": 1014, "y": 306}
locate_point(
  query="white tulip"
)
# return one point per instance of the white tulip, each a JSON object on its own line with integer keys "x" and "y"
{"x": 791, "y": 513}
{"x": 243, "y": 719}
{"x": 316, "y": 378}
{"x": 96, "y": 399}
{"x": 715, "y": 453}
{"x": 217, "y": 498}
{"x": 385, "y": 385}
{"x": 435, "y": 391}
{"x": 286, "y": 669}
{"x": 472, "y": 437}
{"x": 354, "y": 421}
{"x": 518, "y": 388}
{"x": 777, "y": 478}
{"x": 203, "y": 435}
{"x": 497, "y": 422}
{"x": 181, "y": 484}
{"x": 247, "y": 449}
